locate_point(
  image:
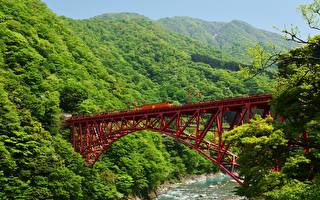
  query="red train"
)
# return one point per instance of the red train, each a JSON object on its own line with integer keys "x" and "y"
{"x": 157, "y": 105}
{"x": 144, "y": 107}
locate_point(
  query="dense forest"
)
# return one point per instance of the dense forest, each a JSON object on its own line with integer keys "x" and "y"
{"x": 232, "y": 37}
{"x": 158, "y": 64}
{"x": 51, "y": 65}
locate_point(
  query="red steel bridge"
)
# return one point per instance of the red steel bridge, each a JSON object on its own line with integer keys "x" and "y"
{"x": 199, "y": 125}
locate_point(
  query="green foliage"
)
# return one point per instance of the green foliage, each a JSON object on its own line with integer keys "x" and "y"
{"x": 214, "y": 63}
{"x": 297, "y": 100}
{"x": 63, "y": 183}
{"x": 123, "y": 15}
{"x": 71, "y": 95}
{"x": 262, "y": 151}
{"x": 158, "y": 64}
{"x": 139, "y": 161}
{"x": 51, "y": 65}
{"x": 295, "y": 190}
{"x": 232, "y": 37}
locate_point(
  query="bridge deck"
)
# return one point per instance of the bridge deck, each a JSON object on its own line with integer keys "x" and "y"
{"x": 230, "y": 103}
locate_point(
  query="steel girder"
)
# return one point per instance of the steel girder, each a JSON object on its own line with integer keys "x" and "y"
{"x": 200, "y": 126}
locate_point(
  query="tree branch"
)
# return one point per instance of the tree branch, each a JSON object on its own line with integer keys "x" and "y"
{"x": 297, "y": 58}
{"x": 296, "y": 39}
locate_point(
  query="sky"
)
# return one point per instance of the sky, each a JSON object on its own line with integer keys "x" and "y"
{"x": 262, "y": 14}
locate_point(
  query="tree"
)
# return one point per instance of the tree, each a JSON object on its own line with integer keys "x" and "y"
{"x": 64, "y": 184}
{"x": 71, "y": 95}
{"x": 297, "y": 99}
{"x": 262, "y": 151}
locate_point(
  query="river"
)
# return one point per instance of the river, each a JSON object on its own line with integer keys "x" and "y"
{"x": 209, "y": 188}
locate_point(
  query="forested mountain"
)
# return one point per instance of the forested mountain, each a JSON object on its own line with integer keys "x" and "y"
{"x": 122, "y": 15}
{"x": 51, "y": 65}
{"x": 158, "y": 64}
{"x": 231, "y": 37}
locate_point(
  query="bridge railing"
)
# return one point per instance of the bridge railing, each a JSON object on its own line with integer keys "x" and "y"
{"x": 78, "y": 115}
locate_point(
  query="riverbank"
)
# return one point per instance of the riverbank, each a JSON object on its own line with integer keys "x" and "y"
{"x": 163, "y": 188}
{"x": 190, "y": 180}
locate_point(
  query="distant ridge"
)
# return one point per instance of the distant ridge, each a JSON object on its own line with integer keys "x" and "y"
{"x": 122, "y": 15}
{"x": 230, "y": 37}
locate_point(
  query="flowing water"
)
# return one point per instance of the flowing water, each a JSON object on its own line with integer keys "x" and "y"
{"x": 211, "y": 188}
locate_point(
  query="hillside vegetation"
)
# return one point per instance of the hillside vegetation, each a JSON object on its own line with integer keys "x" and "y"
{"x": 158, "y": 64}
{"x": 229, "y": 37}
{"x": 51, "y": 65}
{"x": 122, "y": 15}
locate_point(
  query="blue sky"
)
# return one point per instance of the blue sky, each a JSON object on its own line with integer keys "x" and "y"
{"x": 262, "y": 14}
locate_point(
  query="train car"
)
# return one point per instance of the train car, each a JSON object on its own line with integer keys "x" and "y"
{"x": 157, "y": 105}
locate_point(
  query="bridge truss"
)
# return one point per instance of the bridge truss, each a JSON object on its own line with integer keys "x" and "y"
{"x": 199, "y": 125}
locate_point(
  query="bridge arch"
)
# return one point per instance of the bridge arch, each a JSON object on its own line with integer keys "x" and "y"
{"x": 200, "y": 126}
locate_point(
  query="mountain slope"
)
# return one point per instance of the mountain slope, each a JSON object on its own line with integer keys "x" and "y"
{"x": 158, "y": 63}
{"x": 44, "y": 70}
{"x": 122, "y": 15}
{"x": 197, "y": 29}
{"x": 232, "y": 37}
